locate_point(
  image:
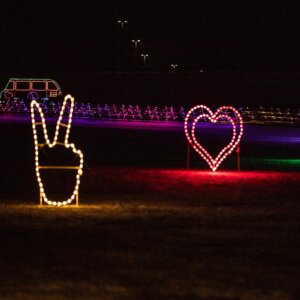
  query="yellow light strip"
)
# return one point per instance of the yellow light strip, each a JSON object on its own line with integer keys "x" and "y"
{"x": 34, "y": 104}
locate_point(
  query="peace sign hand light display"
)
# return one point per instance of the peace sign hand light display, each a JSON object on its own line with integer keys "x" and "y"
{"x": 201, "y": 112}
{"x": 37, "y": 146}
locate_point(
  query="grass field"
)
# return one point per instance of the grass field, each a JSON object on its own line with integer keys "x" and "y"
{"x": 158, "y": 234}
{"x": 146, "y": 228}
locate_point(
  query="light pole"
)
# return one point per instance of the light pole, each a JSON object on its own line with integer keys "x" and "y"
{"x": 122, "y": 23}
{"x": 122, "y": 46}
{"x": 144, "y": 56}
{"x": 174, "y": 66}
{"x": 135, "y": 42}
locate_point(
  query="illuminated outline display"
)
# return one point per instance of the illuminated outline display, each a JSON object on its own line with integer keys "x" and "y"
{"x": 221, "y": 113}
{"x": 12, "y": 87}
{"x": 34, "y": 104}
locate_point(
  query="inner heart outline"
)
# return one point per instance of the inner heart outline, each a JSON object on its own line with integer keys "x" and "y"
{"x": 204, "y": 153}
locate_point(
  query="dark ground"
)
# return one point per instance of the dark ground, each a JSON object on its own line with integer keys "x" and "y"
{"x": 147, "y": 228}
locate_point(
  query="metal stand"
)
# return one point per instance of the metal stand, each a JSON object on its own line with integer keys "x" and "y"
{"x": 188, "y": 156}
{"x": 238, "y": 158}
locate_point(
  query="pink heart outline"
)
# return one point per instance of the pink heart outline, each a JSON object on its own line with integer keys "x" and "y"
{"x": 225, "y": 151}
{"x": 203, "y": 152}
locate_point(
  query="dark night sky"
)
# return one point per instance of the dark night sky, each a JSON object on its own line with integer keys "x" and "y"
{"x": 211, "y": 35}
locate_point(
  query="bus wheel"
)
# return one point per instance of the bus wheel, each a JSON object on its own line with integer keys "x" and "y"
{"x": 32, "y": 95}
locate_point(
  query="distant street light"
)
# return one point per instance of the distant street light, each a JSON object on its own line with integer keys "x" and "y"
{"x": 144, "y": 56}
{"x": 136, "y": 42}
{"x": 122, "y": 22}
{"x": 122, "y": 42}
{"x": 174, "y": 66}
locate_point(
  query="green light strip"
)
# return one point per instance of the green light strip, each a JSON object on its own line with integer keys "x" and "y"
{"x": 282, "y": 161}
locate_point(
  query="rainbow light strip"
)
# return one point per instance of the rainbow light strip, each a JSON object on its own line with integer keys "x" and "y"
{"x": 214, "y": 163}
{"x": 34, "y": 104}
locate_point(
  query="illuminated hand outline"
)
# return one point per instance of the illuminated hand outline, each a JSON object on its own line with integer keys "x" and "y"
{"x": 34, "y": 104}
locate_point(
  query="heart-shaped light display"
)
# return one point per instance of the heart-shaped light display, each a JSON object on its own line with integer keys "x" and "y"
{"x": 228, "y": 113}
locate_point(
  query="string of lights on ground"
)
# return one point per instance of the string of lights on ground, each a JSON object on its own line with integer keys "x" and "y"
{"x": 260, "y": 115}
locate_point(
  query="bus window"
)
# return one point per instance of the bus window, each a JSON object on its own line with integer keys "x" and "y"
{"x": 39, "y": 85}
{"x": 10, "y": 86}
{"x": 22, "y": 85}
{"x": 52, "y": 86}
